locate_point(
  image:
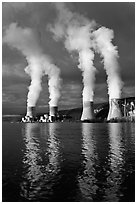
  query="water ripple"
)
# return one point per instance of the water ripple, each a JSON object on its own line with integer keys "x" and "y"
{"x": 69, "y": 162}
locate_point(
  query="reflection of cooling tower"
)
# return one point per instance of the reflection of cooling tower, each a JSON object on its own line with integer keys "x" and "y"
{"x": 53, "y": 111}
{"x": 31, "y": 111}
{"x": 88, "y": 112}
{"x": 114, "y": 109}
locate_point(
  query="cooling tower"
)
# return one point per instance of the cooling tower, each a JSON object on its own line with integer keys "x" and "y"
{"x": 53, "y": 111}
{"x": 88, "y": 112}
{"x": 31, "y": 111}
{"x": 114, "y": 109}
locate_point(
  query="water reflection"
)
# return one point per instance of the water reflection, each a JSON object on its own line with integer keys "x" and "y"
{"x": 69, "y": 162}
{"x": 116, "y": 162}
{"x": 31, "y": 160}
{"x": 53, "y": 150}
{"x": 87, "y": 181}
{"x": 129, "y": 135}
{"x": 40, "y": 167}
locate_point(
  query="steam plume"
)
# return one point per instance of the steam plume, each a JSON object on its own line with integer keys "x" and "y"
{"x": 76, "y": 30}
{"x": 102, "y": 43}
{"x": 39, "y": 64}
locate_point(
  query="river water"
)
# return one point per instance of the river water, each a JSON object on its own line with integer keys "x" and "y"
{"x": 68, "y": 162}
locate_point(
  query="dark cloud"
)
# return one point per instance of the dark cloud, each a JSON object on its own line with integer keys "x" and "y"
{"x": 118, "y": 16}
{"x": 12, "y": 56}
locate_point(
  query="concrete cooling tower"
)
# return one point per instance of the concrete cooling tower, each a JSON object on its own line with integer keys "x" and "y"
{"x": 31, "y": 111}
{"x": 53, "y": 110}
{"x": 114, "y": 109}
{"x": 88, "y": 111}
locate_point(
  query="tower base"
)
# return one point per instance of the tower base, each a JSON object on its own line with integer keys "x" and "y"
{"x": 88, "y": 111}
{"x": 31, "y": 111}
{"x": 114, "y": 109}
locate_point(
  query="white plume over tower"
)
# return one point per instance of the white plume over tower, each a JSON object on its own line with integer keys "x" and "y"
{"x": 39, "y": 64}
{"x": 102, "y": 44}
{"x": 75, "y": 30}
{"x": 79, "y": 34}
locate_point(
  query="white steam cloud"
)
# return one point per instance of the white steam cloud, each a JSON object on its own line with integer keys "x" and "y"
{"x": 102, "y": 43}
{"x": 76, "y": 30}
{"x": 39, "y": 64}
{"x": 79, "y": 34}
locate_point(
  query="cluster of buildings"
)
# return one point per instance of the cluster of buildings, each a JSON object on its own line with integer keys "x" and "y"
{"x": 129, "y": 109}
{"x": 43, "y": 119}
{"x": 31, "y": 116}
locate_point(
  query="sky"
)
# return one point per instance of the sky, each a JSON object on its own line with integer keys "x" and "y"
{"x": 119, "y": 16}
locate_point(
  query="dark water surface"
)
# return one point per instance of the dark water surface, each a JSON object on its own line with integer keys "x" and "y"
{"x": 68, "y": 162}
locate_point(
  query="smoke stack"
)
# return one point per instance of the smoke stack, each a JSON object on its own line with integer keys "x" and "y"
{"x": 114, "y": 109}
{"x": 88, "y": 111}
{"x": 53, "y": 111}
{"x": 31, "y": 111}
